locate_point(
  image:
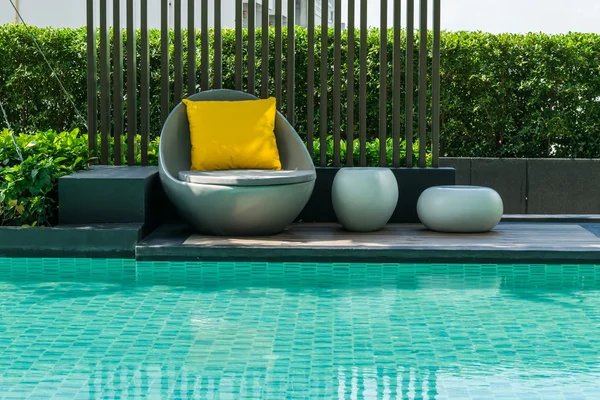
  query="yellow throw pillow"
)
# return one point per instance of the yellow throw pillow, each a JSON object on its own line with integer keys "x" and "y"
{"x": 233, "y": 134}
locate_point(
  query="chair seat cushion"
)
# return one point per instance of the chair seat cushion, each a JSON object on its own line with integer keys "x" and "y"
{"x": 247, "y": 177}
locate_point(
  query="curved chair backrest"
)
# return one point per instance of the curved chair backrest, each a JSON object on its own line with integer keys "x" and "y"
{"x": 175, "y": 146}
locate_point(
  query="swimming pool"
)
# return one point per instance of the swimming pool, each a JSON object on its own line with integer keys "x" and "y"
{"x": 81, "y": 328}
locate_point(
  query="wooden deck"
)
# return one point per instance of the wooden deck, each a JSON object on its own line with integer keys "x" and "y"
{"x": 509, "y": 242}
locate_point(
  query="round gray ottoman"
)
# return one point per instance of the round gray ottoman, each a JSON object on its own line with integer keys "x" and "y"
{"x": 466, "y": 209}
{"x": 364, "y": 199}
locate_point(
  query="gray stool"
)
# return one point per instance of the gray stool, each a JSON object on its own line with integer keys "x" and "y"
{"x": 466, "y": 209}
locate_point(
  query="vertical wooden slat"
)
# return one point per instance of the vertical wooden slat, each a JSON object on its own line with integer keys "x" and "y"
{"x": 218, "y": 46}
{"x": 117, "y": 83}
{"x": 145, "y": 83}
{"x": 310, "y": 81}
{"x": 278, "y": 51}
{"x": 323, "y": 86}
{"x": 435, "y": 92}
{"x": 191, "y": 25}
{"x": 92, "y": 72}
{"x": 265, "y": 50}
{"x": 165, "y": 103}
{"x": 383, "y": 84}
{"x": 204, "y": 79}
{"x": 177, "y": 54}
{"x": 337, "y": 82}
{"x": 363, "y": 83}
{"x": 131, "y": 82}
{"x": 423, "y": 84}
{"x": 251, "y": 46}
{"x": 350, "y": 86}
{"x": 409, "y": 81}
{"x": 239, "y": 51}
{"x": 397, "y": 106}
{"x": 104, "y": 83}
{"x": 291, "y": 62}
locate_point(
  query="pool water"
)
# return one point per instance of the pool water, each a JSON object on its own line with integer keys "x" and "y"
{"x": 120, "y": 329}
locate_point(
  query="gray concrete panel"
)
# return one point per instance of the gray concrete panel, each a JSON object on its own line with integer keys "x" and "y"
{"x": 507, "y": 176}
{"x": 562, "y": 186}
{"x": 462, "y": 167}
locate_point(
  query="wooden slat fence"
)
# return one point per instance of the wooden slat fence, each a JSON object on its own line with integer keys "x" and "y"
{"x": 331, "y": 117}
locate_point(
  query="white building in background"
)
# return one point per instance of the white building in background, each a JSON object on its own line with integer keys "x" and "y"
{"x": 301, "y": 14}
{"x": 72, "y": 13}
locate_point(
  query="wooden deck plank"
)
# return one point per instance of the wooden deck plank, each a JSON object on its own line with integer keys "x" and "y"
{"x": 505, "y": 236}
{"x": 509, "y": 242}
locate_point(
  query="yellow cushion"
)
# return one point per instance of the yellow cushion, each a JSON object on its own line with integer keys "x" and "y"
{"x": 229, "y": 135}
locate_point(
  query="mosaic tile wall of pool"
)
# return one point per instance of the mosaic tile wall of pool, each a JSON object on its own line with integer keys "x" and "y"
{"x": 107, "y": 329}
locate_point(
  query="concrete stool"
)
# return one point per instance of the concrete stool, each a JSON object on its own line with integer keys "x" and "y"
{"x": 364, "y": 199}
{"x": 468, "y": 209}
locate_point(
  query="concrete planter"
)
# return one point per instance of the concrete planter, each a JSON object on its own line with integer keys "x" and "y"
{"x": 535, "y": 186}
{"x": 103, "y": 212}
{"x": 91, "y": 240}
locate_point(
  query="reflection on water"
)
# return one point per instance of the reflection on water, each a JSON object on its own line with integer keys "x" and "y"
{"x": 158, "y": 382}
{"x": 207, "y": 275}
{"x": 120, "y": 329}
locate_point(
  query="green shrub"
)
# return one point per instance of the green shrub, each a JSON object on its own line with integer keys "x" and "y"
{"x": 31, "y": 95}
{"x": 533, "y": 95}
{"x": 371, "y": 153}
{"x": 508, "y": 95}
{"x": 28, "y": 189}
{"x": 152, "y": 150}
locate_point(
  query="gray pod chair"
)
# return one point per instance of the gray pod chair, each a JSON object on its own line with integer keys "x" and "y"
{"x": 238, "y": 202}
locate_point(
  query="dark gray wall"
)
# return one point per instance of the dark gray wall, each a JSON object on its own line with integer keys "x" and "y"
{"x": 535, "y": 186}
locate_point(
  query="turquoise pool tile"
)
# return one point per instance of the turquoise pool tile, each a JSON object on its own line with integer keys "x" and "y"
{"x": 114, "y": 328}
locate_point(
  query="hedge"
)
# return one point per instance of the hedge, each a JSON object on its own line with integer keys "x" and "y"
{"x": 507, "y": 95}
